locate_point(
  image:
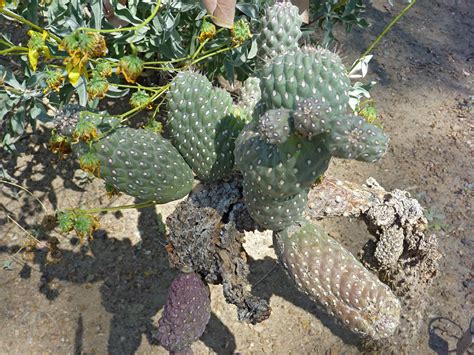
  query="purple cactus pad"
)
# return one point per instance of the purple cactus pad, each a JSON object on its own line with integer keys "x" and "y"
{"x": 186, "y": 313}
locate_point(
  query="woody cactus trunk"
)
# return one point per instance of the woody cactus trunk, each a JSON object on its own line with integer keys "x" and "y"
{"x": 257, "y": 160}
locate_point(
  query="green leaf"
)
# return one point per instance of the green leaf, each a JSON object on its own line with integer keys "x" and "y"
{"x": 253, "y": 50}
{"x": 18, "y": 121}
{"x": 35, "y": 111}
{"x": 115, "y": 92}
{"x": 7, "y": 265}
{"x": 82, "y": 91}
{"x": 97, "y": 8}
{"x": 65, "y": 221}
{"x": 124, "y": 13}
{"x": 248, "y": 10}
{"x": 7, "y": 142}
{"x": 9, "y": 78}
{"x": 350, "y": 6}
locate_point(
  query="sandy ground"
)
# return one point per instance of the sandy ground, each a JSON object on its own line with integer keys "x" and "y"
{"x": 106, "y": 296}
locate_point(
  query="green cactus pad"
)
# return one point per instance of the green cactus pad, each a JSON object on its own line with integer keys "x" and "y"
{"x": 302, "y": 74}
{"x": 201, "y": 125}
{"x": 352, "y": 137}
{"x": 271, "y": 213}
{"x": 312, "y": 117}
{"x": 144, "y": 165}
{"x": 279, "y": 170}
{"x": 250, "y": 95}
{"x": 274, "y": 126}
{"x": 333, "y": 277}
{"x": 280, "y": 30}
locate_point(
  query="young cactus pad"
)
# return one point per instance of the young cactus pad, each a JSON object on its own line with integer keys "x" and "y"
{"x": 352, "y": 137}
{"x": 144, "y": 165}
{"x": 273, "y": 213}
{"x": 332, "y": 276}
{"x": 282, "y": 170}
{"x": 312, "y": 117}
{"x": 186, "y": 313}
{"x": 274, "y": 125}
{"x": 280, "y": 30}
{"x": 302, "y": 74}
{"x": 201, "y": 125}
{"x": 250, "y": 95}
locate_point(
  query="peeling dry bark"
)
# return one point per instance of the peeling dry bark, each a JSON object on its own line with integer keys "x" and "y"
{"x": 206, "y": 233}
{"x": 402, "y": 246}
{"x": 206, "y": 236}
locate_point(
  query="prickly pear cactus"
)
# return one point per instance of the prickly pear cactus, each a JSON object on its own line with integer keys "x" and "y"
{"x": 274, "y": 213}
{"x": 312, "y": 117}
{"x": 280, "y": 30}
{"x": 274, "y": 125}
{"x": 304, "y": 121}
{"x": 144, "y": 165}
{"x": 250, "y": 95}
{"x": 186, "y": 313}
{"x": 296, "y": 118}
{"x": 202, "y": 126}
{"x": 279, "y": 170}
{"x": 304, "y": 73}
{"x": 333, "y": 277}
{"x": 351, "y": 137}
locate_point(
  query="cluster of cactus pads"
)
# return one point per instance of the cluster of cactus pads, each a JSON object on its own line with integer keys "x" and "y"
{"x": 292, "y": 118}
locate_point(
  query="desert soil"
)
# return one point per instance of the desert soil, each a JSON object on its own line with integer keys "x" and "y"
{"x": 106, "y": 296}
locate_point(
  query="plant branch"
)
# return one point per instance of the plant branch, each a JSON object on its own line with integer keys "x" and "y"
{"x": 26, "y": 190}
{"x": 126, "y": 29}
{"x": 115, "y": 208}
{"x": 23, "y": 20}
{"x": 395, "y": 20}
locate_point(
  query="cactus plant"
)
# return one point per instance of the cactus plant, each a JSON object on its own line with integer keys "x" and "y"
{"x": 312, "y": 117}
{"x": 250, "y": 95}
{"x": 186, "y": 313}
{"x": 279, "y": 170}
{"x": 137, "y": 162}
{"x": 352, "y": 137}
{"x": 274, "y": 213}
{"x": 304, "y": 73}
{"x": 295, "y": 116}
{"x": 280, "y": 30}
{"x": 201, "y": 125}
{"x": 144, "y": 165}
{"x": 332, "y": 276}
{"x": 274, "y": 125}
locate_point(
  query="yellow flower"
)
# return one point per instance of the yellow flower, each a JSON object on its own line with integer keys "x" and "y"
{"x": 2, "y": 4}
{"x": 36, "y": 47}
{"x": 75, "y": 67}
{"x": 131, "y": 67}
{"x": 208, "y": 31}
{"x": 54, "y": 79}
{"x": 33, "y": 56}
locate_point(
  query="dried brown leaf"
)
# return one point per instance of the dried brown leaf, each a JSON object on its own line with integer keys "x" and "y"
{"x": 303, "y": 6}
